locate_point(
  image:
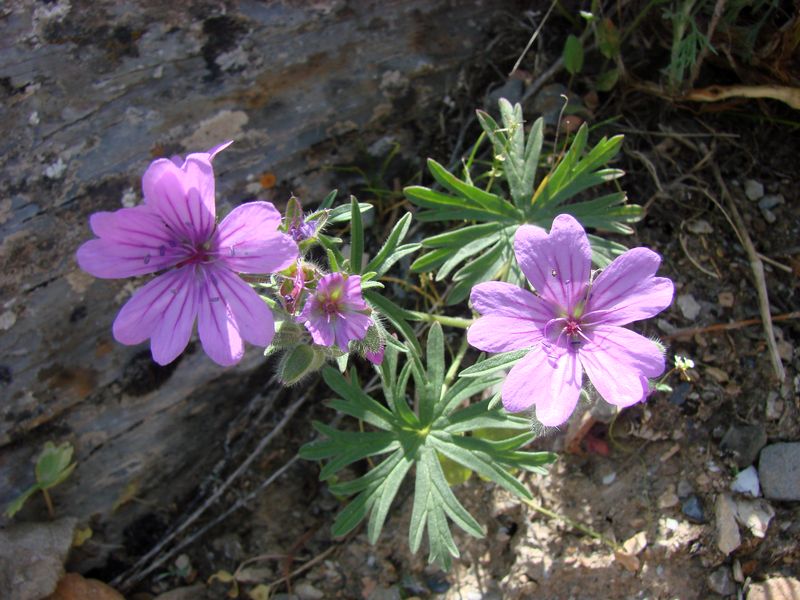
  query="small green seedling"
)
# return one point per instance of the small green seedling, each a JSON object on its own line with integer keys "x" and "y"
{"x": 52, "y": 467}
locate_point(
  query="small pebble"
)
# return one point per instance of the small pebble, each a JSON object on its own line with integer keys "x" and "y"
{"x": 609, "y": 479}
{"x": 774, "y": 408}
{"x": 770, "y": 202}
{"x": 746, "y": 482}
{"x": 689, "y": 307}
{"x": 753, "y": 189}
{"x": 700, "y": 226}
{"x": 668, "y": 499}
{"x": 720, "y": 582}
{"x": 693, "y": 509}
{"x": 726, "y": 299}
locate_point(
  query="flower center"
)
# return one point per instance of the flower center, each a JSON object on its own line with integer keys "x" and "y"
{"x": 572, "y": 327}
{"x": 330, "y": 306}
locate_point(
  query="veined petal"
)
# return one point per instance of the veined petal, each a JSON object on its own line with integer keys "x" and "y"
{"x": 247, "y": 240}
{"x": 627, "y": 290}
{"x": 133, "y": 241}
{"x": 319, "y": 326}
{"x": 558, "y": 265}
{"x": 182, "y": 196}
{"x": 494, "y": 333}
{"x": 352, "y": 299}
{"x": 350, "y": 326}
{"x": 163, "y": 310}
{"x": 230, "y": 311}
{"x": 505, "y": 299}
{"x": 619, "y": 362}
{"x": 551, "y": 383}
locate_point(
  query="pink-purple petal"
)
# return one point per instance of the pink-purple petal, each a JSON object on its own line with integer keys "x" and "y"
{"x": 247, "y": 240}
{"x": 174, "y": 329}
{"x": 494, "y": 333}
{"x": 252, "y": 316}
{"x": 183, "y": 197}
{"x": 551, "y": 383}
{"x": 619, "y": 362}
{"x": 352, "y": 299}
{"x": 132, "y": 242}
{"x": 319, "y": 326}
{"x": 557, "y": 264}
{"x": 163, "y": 310}
{"x": 505, "y": 299}
{"x": 350, "y": 326}
{"x": 627, "y": 290}
{"x": 219, "y": 333}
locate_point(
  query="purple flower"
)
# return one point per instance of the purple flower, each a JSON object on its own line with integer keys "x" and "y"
{"x": 174, "y": 231}
{"x": 334, "y": 312}
{"x": 575, "y": 323}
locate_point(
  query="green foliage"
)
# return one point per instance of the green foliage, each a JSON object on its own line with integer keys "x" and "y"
{"x": 573, "y": 55}
{"x": 52, "y": 468}
{"x": 480, "y": 248}
{"x": 435, "y": 425}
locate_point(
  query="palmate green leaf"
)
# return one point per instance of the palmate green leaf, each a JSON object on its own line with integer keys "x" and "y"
{"x": 397, "y": 235}
{"x": 480, "y": 247}
{"x": 494, "y": 363}
{"x": 480, "y": 416}
{"x": 343, "y": 213}
{"x": 356, "y": 403}
{"x": 478, "y": 460}
{"x": 398, "y": 316}
{"x": 491, "y": 203}
{"x": 441, "y": 425}
{"x": 463, "y": 390}
{"x": 346, "y": 447}
{"x": 434, "y": 501}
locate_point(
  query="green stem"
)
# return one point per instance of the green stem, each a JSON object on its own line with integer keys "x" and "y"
{"x": 444, "y": 320}
{"x": 574, "y": 524}
{"x": 50, "y": 510}
{"x": 451, "y": 372}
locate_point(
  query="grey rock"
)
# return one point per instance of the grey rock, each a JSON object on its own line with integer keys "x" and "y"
{"x": 771, "y": 201}
{"x": 693, "y": 509}
{"x": 775, "y": 588}
{"x": 744, "y": 442}
{"x": 779, "y": 471}
{"x": 721, "y": 582}
{"x": 753, "y": 189}
{"x": 728, "y": 537}
{"x": 32, "y": 557}
{"x": 755, "y": 514}
{"x": 746, "y": 482}
{"x": 511, "y": 90}
{"x": 689, "y": 307}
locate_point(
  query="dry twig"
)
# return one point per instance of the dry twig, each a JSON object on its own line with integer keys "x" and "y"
{"x": 758, "y": 273}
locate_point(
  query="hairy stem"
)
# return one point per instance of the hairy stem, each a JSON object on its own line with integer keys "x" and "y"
{"x": 443, "y": 319}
